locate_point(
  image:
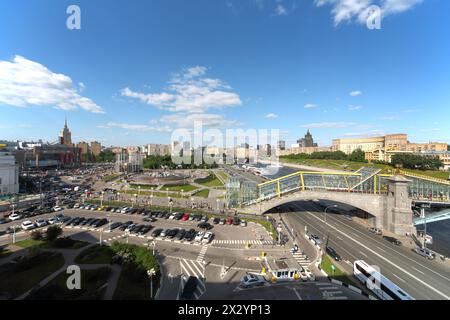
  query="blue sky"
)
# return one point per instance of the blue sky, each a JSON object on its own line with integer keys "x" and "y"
{"x": 139, "y": 69}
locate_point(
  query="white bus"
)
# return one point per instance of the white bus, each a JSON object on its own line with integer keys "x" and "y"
{"x": 377, "y": 283}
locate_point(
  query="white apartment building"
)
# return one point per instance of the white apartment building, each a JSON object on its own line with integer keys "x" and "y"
{"x": 9, "y": 173}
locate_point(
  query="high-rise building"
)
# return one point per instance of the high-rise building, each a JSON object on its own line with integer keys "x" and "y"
{"x": 84, "y": 146}
{"x": 307, "y": 141}
{"x": 96, "y": 148}
{"x": 281, "y": 145}
{"x": 9, "y": 172}
{"x": 65, "y": 136}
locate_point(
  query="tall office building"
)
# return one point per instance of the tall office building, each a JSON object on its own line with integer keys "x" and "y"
{"x": 65, "y": 136}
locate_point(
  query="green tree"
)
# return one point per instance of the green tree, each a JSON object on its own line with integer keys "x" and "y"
{"x": 357, "y": 156}
{"x": 53, "y": 232}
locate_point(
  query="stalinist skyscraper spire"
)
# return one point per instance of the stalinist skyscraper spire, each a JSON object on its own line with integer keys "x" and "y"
{"x": 65, "y": 136}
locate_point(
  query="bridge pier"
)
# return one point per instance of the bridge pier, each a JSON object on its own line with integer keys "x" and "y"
{"x": 398, "y": 216}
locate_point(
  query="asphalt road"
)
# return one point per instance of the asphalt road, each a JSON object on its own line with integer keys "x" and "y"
{"x": 420, "y": 278}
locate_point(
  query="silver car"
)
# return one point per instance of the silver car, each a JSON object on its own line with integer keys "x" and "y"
{"x": 424, "y": 252}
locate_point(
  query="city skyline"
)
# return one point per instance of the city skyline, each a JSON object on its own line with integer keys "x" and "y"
{"x": 249, "y": 64}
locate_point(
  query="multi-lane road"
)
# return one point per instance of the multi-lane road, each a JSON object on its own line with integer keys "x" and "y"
{"x": 419, "y": 277}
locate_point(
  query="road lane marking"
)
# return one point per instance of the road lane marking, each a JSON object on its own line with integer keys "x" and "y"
{"x": 365, "y": 255}
{"x": 398, "y": 277}
{"x": 297, "y": 294}
{"x": 390, "y": 262}
{"x": 417, "y": 270}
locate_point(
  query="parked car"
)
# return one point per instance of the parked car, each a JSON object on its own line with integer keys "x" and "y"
{"x": 157, "y": 232}
{"x": 185, "y": 217}
{"x": 180, "y": 235}
{"x": 125, "y": 225}
{"x": 144, "y": 229}
{"x": 14, "y": 216}
{"x": 393, "y": 240}
{"x": 164, "y": 233}
{"x": 149, "y": 219}
{"x": 3, "y": 220}
{"x": 87, "y": 221}
{"x": 100, "y": 222}
{"x": 191, "y": 217}
{"x": 115, "y": 225}
{"x": 316, "y": 239}
{"x": 40, "y": 223}
{"x": 205, "y": 225}
{"x": 236, "y": 221}
{"x": 222, "y": 221}
{"x": 207, "y": 238}
{"x": 424, "y": 252}
{"x": 204, "y": 219}
{"x": 375, "y": 230}
{"x": 199, "y": 236}
{"x": 243, "y": 223}
{"x": 333, "y": 253}
{"x": 216, "y": 220}
{"x": 190, "y": 235}
{"x": 27, "y": 225}
{"x": 57, "y": 208}
{"x": 252, "y": 280}
{"x": 53, "y": 220}
{"x": 229, "y": 221}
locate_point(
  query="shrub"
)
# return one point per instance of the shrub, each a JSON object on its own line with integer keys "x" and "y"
{"x": 53, "y": 233}
{"x": 37, "y": 235}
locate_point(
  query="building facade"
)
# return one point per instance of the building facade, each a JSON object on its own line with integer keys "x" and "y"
{"x": 96, "y": 148}
{"x": 84, "y": 147}
{"x": 9, "y": 172}
{"x": 307, "y": 141}
{"x": 65, "y": 136}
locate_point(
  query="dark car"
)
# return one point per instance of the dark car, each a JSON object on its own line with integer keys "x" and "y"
{"x": 144, "y": 229}
{"x": 115, "y": 225}
{"x": 100, "y": 222}
{"x": 205, "y": 225}
{"x": 393, "y": 240}
{"x": 140, "y": 211}
{"x": 149, "y": 219}
{"x": 178, "y": 216}
{"x": 198, "y": 217}
{"x": 333, "y": 253}
{"x": 93, "y": 222}
{"x": 172, "y": 233}
{"x": 156, "y": 232}
{"x": 136, "y": 229}
{"x": 216, "y": 220}
{"x": 190, "y": 235}
{"x": 161, "y": 214}
{"x": 3, "y": 220}
{"x": 68, "y": 222}
{"x": 189, "y": 289}
{"x": 166, "y": 215}
{"x": 236, "y": 221}
{"x": 79, "y": 221}
{"x": 87, "y": 221}
{"x": 125, "y": 225}
{"x": 181, "y": 234}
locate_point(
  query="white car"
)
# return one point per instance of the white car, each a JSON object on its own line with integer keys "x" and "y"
{"x": 57, "y": 208}
{"x": 76, "y": 205}
{"x": 207, "y": 237}
{"x": 251, "y": 280}
{"x": 40, "y": 223}
{"x": 53, "y": 220}
{"x": 27, "y": 225}
{"x": 199, "y": 236}
{"x": 124, "y": 210}
{"x": 14, "y": 216}
{"x": 425, "y": 253}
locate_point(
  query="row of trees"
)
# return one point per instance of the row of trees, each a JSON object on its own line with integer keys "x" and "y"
{"x": 157, "y": 162}
{"x": 104, "y": 156}
{"x": 356, "y": 156}
{"x": 413, "y": 161}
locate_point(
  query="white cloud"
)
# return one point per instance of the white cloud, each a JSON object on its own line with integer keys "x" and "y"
{"x": 354, "y": 108}
{"x": 355, "y": 93}
{"x": 271, "y": 116}
{"x": 328, "y": 125}
{"x": 183, "y": 120}
{"x": 81, "y": 86}
{"x": 26, "y": 83}
{"x": 310, "y": 106}
{"x": 135, "y": 127}
{"x": 190, "y": 92}
{"x": 358, "y": 10}
{"x": 280, "y": 10}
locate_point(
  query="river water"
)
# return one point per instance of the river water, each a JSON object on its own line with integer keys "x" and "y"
{"x": 440, "y": 231}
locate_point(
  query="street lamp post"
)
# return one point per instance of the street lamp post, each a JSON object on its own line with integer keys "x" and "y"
{"x": 151, "y": 273}
{"x": 151, "y": 199}
{"x": 101, "y": 199}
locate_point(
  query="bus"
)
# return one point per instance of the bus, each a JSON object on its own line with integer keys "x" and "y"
{"x": 377, "y": 283}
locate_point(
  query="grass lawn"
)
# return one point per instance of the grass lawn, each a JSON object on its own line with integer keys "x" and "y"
{"x": 338, "y": 274}
{"x": 19, "y": 278}
{"x": 155, "y": 194}
{"x": 95, "y": 255}
{"x": 222, "y": 174}
{"x": 179, "y": 187}
{"x": 202, "y": 193}
{"x": 5, "y": 253}
{"x": 60, "y": 243}
{"x": 132, "y": 287}
{"x": 143, "y": 186}
{"x": 92, "y": 286}
{"x": 443, "y": 175}
{"x": 110, "y": 177}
